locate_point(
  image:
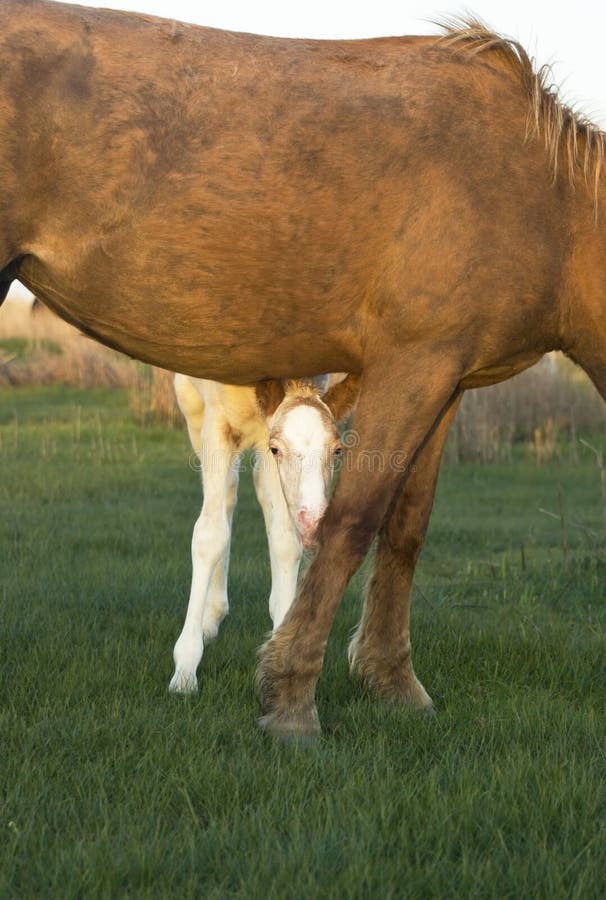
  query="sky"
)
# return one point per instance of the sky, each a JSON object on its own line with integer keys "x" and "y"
{"x": 567, "y": 36}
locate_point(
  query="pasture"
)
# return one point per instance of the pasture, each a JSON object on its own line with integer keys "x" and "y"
{"x": 111, "y": 787}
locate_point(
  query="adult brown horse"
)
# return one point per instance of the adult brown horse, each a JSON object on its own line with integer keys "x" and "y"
{"x": 420, "y": 211}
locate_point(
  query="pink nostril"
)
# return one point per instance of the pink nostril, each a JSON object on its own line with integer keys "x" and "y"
{"x": 307, "y": 523}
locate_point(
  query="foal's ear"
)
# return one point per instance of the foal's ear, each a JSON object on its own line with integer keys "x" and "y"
{"x": 269, "y": 395}
{"x": 342, "y": 397}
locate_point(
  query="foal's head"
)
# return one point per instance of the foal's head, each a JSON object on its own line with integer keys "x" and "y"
{"x": 305, "y": 444}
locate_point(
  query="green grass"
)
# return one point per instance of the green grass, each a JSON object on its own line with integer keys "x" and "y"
{"x": 110, "y": 787}
{"x": 20, "y": 346}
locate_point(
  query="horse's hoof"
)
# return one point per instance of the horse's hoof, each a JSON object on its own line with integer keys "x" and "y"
{"x": 296, "y": 729}
{"x": 183, "y": 684}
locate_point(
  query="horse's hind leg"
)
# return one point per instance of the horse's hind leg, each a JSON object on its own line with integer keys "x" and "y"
{"x": 380, "y": 650}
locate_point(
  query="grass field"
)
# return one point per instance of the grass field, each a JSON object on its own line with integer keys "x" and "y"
{"x": 110, "y": 787}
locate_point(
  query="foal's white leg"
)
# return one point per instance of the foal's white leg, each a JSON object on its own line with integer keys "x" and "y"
{"x": 210, "y": 547}
{"x": 217, "y": 604}
{"x": 284, "y": 545}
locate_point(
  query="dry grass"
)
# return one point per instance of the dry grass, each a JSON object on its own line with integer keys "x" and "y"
{"x": 545, "y": 408}
{"x": 39, "y": 348}
{"x": 151, "y": 396}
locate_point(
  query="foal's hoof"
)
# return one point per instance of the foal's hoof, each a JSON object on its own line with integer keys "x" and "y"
{"x": 183, "y": 683}
{"x": 297, "y": 729}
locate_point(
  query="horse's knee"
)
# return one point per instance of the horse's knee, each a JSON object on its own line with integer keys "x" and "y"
{"x": 351, "y": 532}
{"x": 404, "y": 549}
{"x": 286, "y": 548}
{"x": 210, "y": 540}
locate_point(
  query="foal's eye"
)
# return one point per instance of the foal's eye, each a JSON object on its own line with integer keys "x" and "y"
{"x": 338, "y": 451}
{"x": 275, "y": 451}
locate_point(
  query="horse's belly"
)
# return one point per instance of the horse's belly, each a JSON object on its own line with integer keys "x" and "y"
{"x": 194, "y": 332}
{"x": 488, "y": 375}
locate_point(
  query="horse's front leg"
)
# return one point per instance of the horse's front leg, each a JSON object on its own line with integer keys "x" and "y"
{"x": 391, "y": 430}
{"x": 284, "y": 544}
{"x": 380, "y": 650}
{"x": 209, "y": 550}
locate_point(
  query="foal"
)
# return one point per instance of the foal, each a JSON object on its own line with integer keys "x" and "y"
{"x": 294, "y": 432}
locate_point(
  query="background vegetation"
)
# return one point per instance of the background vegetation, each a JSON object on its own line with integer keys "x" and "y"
{"x": 110, "y": 787}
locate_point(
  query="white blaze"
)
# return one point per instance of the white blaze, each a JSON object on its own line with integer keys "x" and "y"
{"x": 305, "y": 464}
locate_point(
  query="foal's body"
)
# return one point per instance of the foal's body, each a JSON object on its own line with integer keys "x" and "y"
{"x": 295, "y": 438}
{"x": 418, "y": 210}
